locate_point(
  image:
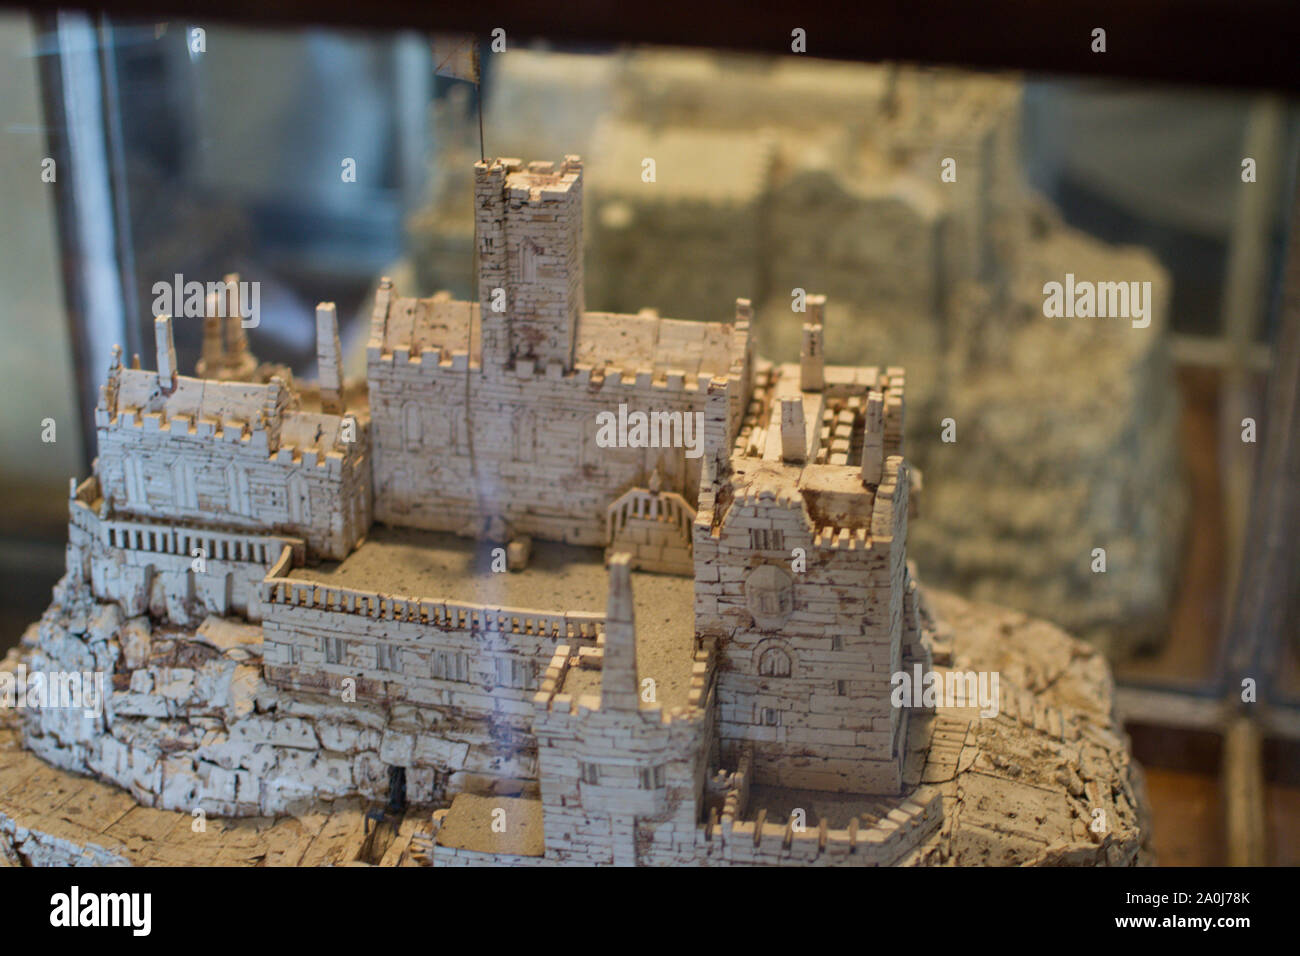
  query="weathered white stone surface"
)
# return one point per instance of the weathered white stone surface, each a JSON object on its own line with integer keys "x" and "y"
{"x": 194, "y": 726}
{"x": 1049, "y": 781}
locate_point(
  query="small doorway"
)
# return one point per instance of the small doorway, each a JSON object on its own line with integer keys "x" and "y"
{"x": 396, "y": 790}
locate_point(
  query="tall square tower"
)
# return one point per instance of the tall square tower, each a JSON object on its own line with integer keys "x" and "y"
{"x": 529, "y": 225}
{"x": 801, "y": 576}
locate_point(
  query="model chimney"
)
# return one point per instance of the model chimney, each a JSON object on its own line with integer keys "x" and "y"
{"x": 214, "y": 349}
{"x": 162, "y": 330}
{"x": 717, "y": 412}
{"x": 873, "y": 439}
{"x": 328, "y": 359}
{"x": 794, "y": 431}
{"x": 236, "y": 339}
{"x": 812, "y": 359}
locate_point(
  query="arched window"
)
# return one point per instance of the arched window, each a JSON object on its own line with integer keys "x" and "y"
{"x": 524, "y": 435}
{"x": 528, "y": 253}
{"x": 769, "y": 595}
{"x": 774, "y": 662}
{"x": 411, "y": 432}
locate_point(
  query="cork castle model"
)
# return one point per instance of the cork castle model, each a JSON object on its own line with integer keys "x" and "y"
{"x": 592, "y": 588}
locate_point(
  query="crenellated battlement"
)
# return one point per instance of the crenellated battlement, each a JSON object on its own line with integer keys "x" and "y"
{"x": 236, "y": 453}
{"x": 561, "y": 696}
{"x": 436, "y": 390}
{"x": 584, "y": 376}
{"x": 894, "y": 830}
{"x": 537, "y": 182}
{"x": 440, "y": 615}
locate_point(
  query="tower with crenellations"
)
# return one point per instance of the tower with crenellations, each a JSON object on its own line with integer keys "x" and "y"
{"x": 801, "y": 576}
{"x": 530, "y": 282}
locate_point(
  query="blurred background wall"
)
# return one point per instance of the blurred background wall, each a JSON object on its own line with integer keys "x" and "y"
{"x": 36, "y": 371}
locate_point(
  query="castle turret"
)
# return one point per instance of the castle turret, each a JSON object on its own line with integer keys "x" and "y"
{"x": 812, "y": 356}
{"x": 794, "y": 431}
{"x": 236, "y": 344}
{"x": 328, "y": 359}
{"x": 717, "y": 430}
{"x": 529, "y": 223}
{"x": 213, "y": 356}
{"x": 615, "y": 768}
{"x": 801, "y": 574}
{"x": 618, "y": 681}
{"x": 225, "y": 355}
{"x": 166, "y": 350}
{"x": 873, "y": 438}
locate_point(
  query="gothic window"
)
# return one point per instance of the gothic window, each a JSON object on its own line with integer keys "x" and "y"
{"x": 525, "y": 430}
{"x": 528, "y": 253}
{"x": 769, "y": 595}
{"x": 513, "y": 672}
{"x": 411, "y": 431}
{"x": 590, "y": 775}
{"x": 334, "y": 648}
{"x": 766, "y": 539}
{"x": 652, "y": 778}
{"x": 450, "y": 665}
{"x": 389, "y": 658}
{"x": 774, "y": 662}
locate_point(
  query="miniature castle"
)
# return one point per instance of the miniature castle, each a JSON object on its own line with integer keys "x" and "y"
{"x": 756, "y": 596}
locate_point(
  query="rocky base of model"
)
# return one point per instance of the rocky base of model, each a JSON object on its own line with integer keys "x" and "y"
{"x": 208, "y": 765}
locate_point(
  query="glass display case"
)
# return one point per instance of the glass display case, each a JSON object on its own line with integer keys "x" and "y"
{"x": 1091, "y": 284}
